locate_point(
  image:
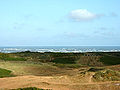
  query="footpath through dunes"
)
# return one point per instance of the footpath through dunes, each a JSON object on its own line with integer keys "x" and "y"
{"x": 56, "y": 83}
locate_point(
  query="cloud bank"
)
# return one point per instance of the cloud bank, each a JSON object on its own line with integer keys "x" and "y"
{"x": 83, "y": 15}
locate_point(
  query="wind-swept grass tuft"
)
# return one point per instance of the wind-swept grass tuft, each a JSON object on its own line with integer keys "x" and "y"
{"x": 107, "y": 75}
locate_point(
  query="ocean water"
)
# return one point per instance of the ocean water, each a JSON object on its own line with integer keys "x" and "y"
{"x": 66, "y": 49}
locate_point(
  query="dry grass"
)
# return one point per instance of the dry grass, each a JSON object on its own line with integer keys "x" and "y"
{"x": 20, "y": 68}
{"x": 107, "y": 75}
{"x": 27, "y": 68}
{"x": 47, "y": 76}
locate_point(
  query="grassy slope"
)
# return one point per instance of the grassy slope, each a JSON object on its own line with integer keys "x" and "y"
{"x": 5, "y": 73}
{"x": 8, "y": 57}
{"x": 31, "y": 68}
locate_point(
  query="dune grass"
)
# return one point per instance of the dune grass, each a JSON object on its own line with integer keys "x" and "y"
{"x": 29, "y": 68}
{"x": 8, "y": 57}
{"x": 107, "y": 75}
{"x": 68, "y": 65}
{"x": 64, "y": 61}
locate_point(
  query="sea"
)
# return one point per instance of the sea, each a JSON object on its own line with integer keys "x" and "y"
{"x": 65, "y": 49}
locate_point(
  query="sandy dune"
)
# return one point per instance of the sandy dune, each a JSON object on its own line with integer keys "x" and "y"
{"x": 55, "y": 83}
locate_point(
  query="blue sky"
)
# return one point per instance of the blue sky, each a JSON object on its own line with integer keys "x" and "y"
{"x": 59, "y": 22}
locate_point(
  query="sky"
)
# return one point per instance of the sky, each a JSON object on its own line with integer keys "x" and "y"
{"x": 59, "y": 22}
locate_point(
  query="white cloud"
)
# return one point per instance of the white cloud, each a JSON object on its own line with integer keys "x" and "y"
{"x": 82, "y": 15}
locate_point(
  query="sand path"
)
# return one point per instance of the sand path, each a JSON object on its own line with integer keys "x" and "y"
{"x": 47, "y": 82}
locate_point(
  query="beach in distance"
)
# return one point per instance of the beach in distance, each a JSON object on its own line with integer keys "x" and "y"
{"x": 66, "y": 49}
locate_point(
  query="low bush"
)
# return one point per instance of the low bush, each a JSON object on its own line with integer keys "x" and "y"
{"x": 30, "y": 88}
{"x": 110, "y": 60}
{"x": 107, "y": 75}
{"x": 95, "y": 69}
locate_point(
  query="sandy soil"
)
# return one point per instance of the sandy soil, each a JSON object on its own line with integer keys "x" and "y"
{"x": 55, "y": 83}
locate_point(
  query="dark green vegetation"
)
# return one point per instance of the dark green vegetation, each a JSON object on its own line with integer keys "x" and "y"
{"x": 95, "y": 69}
{"x": 66, "y": 59}
{"x": 5, "y": 73}
{"x": 107, "y": 75}
{"x": 8, "y": 57}
{"x": 109, "y": 60}
{"x": 30, "y": 88}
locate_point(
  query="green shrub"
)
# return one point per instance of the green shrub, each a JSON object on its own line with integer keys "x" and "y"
{"x": 110, "y": 60}
{"x": 95, "y": 69}
{"x": 30, "y": 88}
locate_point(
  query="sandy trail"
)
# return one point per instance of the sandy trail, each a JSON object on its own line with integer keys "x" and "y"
{"x": 48, "y": 82}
